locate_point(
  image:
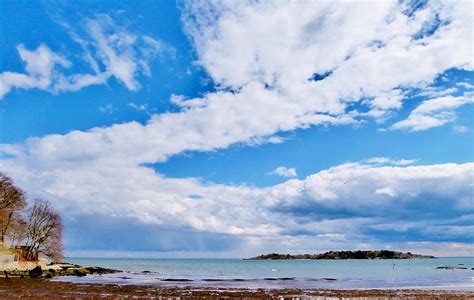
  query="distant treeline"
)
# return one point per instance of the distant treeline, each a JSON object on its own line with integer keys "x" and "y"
{"x": 359, "y": 254}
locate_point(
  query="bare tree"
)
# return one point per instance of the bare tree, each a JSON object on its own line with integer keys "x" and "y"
{"x": 44, "y": 231}
{"x": 17, "y": 233}
{"x": 12, "y": 202}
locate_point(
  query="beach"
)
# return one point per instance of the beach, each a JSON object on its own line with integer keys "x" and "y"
{"x": 24, "y": 288}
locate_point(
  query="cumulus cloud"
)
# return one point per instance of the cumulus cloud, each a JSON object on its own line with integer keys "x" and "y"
{"x": 123, "y": 55}
{"x": 284, "y": 172}
{"x": 361, "y": 44}
{"x": 358, "y": 200}
{"x": 278, "y": 96}
{"x": 432, "y": 113}
{"x": 343, "y": 56}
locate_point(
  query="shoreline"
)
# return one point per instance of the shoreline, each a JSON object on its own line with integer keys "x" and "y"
{"x": 11, "y": 288}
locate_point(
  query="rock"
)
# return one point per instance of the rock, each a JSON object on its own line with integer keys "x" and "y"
{"x": 451, "y": 268}
{"x": 74, "y": 272}
{"x": 35, "y": 272}
{"x": 51, "y": 270}
{"x": 100, "y": 270}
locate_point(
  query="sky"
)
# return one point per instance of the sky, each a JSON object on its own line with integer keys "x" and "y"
{"x": 235, "y": 128}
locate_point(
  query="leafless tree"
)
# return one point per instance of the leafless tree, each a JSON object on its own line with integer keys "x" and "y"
{"x": 12, "y": 202}
{"x": 44, "y": 231}
{"x": 17, "y": 233}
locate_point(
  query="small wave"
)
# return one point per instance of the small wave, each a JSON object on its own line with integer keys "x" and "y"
{"x": 281, "y": 278}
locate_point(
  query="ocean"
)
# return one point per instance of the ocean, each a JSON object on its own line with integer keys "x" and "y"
{"x": 306, "y": 274}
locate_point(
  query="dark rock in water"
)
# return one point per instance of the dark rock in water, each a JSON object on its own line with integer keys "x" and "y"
{"x": 452, "y": 268}
{"x": 36, "y": 272}
{"x": 213, "y": 280}
{"x": 175, "y": 279}
{"x": 76, "y": 270}
{"x": 79, "y": 272}
{"x": 369, "y": 254}
{"x": 100, "y": 270}
{"x": 59, "y": 269}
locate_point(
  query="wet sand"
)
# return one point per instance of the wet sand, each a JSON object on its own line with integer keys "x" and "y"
{"x": 24, "y": 288}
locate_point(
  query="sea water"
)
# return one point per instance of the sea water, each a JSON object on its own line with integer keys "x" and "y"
{"x": 307, "y": 274}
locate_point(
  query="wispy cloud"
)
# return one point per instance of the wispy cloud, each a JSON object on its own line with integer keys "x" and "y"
{"x": 123, "y": 55}
{"x": 432, "y": 113}
{"x": 388, "y": 161}
{"x": 461, "y": 128}
{"x": 42, "y": 69}
{"x": 107, "y": 108}
{"x": 138, "y": 107}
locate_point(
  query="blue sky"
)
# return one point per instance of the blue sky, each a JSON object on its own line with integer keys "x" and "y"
{"x": 234, "y": 128}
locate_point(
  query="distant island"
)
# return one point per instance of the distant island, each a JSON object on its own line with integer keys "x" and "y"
{"x": 359, "y": 254}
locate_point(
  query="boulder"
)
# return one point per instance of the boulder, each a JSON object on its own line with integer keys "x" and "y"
{"x": 36, "y": 272}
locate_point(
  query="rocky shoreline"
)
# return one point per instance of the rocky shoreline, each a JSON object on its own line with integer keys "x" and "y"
{"x": 55, "y": 269}
{"x": 22, "y": 288}
{"x": 359, "y": 254}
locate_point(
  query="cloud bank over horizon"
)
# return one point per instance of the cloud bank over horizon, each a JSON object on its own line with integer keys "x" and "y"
{"x": 276, "y": 68}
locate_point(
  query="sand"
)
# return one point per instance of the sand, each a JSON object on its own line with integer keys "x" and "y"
{"x": 27, "y": 288}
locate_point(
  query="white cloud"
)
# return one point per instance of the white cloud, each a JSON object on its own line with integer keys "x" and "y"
{"x": 41, "y": 70}
{"x": 360, "y": 45}
{"x": 435, "y": 92}
{"x": 138, "y": 107}
{"x": 284, "y": 172}
{"x": 262, "y": 56}
{"x": 107, "y": 108}
{"x": 389, "y": 161}
{"x": 123, "y": 54}
{"x": 278, "y": 97}
{"x": 386, "y": 191}
{"x": 432, "y": 113}
{"x": 348, "y": 199}
{"x": 465, "y": 85}
{"x": 461, "y": 128}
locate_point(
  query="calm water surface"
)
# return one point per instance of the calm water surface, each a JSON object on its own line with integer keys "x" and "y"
{"x": 416, "y": 273}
